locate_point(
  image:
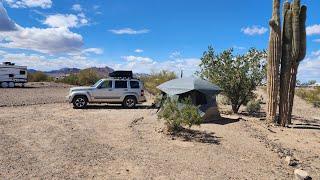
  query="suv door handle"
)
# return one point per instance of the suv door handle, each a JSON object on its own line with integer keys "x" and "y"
{"x": 126, "y": 90}
{"x": 109, "y": 89}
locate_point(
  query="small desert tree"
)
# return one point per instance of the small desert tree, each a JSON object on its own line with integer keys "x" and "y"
{"x": 238, "y": 75}
{"x": 88, "y": 77}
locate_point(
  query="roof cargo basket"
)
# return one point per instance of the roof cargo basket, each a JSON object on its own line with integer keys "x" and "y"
{"x": 121, "y": 74}
{"x": 8, "y": 63}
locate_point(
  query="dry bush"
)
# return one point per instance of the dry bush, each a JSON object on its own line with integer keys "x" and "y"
{"x": 155, "y": 79}
{"x": 310, "y": 95}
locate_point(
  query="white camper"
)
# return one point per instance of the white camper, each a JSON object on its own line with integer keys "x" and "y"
{"x": 10, "y": 75}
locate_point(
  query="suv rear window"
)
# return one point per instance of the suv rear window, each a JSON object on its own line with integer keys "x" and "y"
{"x": 134, "y": 85}
{"x": 121, "y": 84}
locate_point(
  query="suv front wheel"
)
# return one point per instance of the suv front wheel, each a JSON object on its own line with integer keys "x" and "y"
{"x": 129, "y": 102}
{"x": 80, "y": 102}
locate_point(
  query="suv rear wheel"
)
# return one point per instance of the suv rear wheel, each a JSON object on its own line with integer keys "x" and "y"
{"x": 80, "y": 102}
{"x": 129, "y": 102}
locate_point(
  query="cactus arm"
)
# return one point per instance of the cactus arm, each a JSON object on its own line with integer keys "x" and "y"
{"x": 295, "y": 29}
{"x": 303, "y": 34}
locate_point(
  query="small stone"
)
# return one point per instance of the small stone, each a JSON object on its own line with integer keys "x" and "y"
{"x": 291, "y": 161}
{"x": 301, "y": 175}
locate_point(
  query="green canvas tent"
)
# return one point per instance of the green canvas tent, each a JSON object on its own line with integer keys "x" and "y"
{"x": 201, "y": 92}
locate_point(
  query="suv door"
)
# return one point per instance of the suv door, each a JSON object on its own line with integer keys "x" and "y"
{"x": 120, "y": 88}
{"x": 103, "y": 92}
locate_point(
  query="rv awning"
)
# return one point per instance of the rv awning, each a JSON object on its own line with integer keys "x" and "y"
{"x": 183, "y": 85}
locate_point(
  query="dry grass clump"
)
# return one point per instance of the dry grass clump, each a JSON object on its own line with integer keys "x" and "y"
{"x": 310, "y": 95}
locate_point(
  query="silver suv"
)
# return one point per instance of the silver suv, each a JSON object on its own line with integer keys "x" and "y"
{"x": 127, "y": 92}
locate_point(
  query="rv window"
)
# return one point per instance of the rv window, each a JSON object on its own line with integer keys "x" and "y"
{"x": 22, "y": 72}
{"x": 120, "y": 84}
{"x": 134, "y": 85}
{"x": 11, "y": 75}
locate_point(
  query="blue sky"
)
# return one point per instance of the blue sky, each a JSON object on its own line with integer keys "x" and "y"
{"x": 142, "y": 35}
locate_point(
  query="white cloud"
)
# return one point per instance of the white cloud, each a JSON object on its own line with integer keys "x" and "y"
{"x": 138, "y": 51}
{"x": 175, "y": 54}
{"x": 315, "y": 53}
{"x": 137, "y": 59}
{"x": 76, "y": 7}
{"x": 309, "y": 67}
{"x": 93, "y": 50}
{"x": 147, "y": 65}
{"x": 129, "y": 31}
{"x": 39, "y": 62}
{"x": 45, "y": 40}
{"x": 313, "y": 30}
{"x": 239, "y": 47}
{"x": 44, "y": 4}
{"x": 254, "y": 30}
{"x": 66, "y": 20}
{"x": 49, "y": 40}
{"x": 316, "y": 40}
{"x": 6, "y": 24}
{"x": 61, "y": 20}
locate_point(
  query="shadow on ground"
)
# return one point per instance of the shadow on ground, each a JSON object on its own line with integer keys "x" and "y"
{"x": 223, "y": 121}
{"x": 118, "y": 107}
{"x": 197, "y": 136}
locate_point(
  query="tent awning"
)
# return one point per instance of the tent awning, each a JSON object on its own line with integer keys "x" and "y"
{"x": 183, "y": 85}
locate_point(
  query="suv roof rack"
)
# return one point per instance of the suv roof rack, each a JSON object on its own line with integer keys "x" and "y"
{"x": 121, "y": 74}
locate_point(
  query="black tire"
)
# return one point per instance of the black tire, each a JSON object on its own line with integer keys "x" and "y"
{"x": 80, "y": 102}
{"x": 129, "y": 102}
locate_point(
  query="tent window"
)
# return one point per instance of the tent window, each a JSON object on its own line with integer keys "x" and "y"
{"x": 200, "y": 99}
{"x": 197, "y": 98}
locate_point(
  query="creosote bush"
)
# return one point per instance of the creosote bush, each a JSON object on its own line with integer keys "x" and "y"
{"x": 237, "y": 75}
{"x": 38, "y": 77}
{"x": 177, "y": 115}
{"x": 253, "y": 107}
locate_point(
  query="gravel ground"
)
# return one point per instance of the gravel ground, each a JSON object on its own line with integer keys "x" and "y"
{"x": 34, "y": 93}
{"x": 55, "y": 141}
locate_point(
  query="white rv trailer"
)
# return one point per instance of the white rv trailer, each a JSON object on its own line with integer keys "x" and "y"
{"x": 10, "y": 75}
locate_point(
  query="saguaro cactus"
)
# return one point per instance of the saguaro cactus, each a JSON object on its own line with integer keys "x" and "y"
{"x": 287, "y": 55}
{"x": 291, "y": 49}
{"x": 297, "y": 59}
{"x": 274, "y": 56}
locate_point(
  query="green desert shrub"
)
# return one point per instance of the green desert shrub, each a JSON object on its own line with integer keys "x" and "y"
{"x": 178, "y": 114}
{"x": 155, "y": 79}
{"x": 38, "y": 77}
{"x": 253, "y": 107}
{"x": 72, "y": 79}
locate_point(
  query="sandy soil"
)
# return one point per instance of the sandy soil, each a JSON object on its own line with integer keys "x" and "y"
{"x": 56, "y": 141}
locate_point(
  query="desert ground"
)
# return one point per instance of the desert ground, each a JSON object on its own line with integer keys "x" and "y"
{"x": 43, "y": 137}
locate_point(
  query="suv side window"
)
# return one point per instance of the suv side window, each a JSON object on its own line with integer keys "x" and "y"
{"x": 121, "y": 84}
{"x": 134, "y": 85}
{"x": 106, "y": 84}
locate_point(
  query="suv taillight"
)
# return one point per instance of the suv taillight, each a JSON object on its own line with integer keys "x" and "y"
{"x": 142, "y": 92}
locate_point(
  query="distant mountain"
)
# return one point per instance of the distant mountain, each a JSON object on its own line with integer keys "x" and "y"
{"x": 32, "y": 70}
{"x": 62, "y": 72}
{"x": 102, "y": 72}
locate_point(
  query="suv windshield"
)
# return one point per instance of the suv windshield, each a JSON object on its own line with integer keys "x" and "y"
{"x": 97, "y": 83}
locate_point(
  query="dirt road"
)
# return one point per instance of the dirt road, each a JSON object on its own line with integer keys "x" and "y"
{"x": 55, "y": 141}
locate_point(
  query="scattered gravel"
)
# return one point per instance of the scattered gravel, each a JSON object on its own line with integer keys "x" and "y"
{"x": 34, "y": 93}
{"x": 51, "y": 140}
